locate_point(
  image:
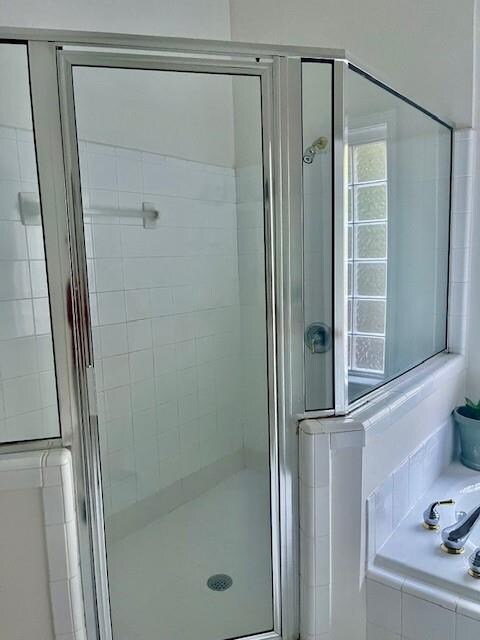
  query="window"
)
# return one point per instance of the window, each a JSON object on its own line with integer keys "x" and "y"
{"x": 399, "y": 160}
{"x": 367, "y": 250}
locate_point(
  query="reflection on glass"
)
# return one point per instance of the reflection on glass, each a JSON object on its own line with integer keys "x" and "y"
{"x": 178, "y": 314}
{"x": 28, "y": 396}
{"x": 398, "y": 211}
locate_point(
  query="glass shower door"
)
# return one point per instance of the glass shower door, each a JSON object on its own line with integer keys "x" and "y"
{"x": 171, "y": 169}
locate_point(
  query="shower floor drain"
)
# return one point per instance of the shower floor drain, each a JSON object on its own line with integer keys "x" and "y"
{"x": 219, "y": 582}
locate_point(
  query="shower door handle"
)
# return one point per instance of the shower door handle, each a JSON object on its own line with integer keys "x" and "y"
{"x": 318, "y": 337}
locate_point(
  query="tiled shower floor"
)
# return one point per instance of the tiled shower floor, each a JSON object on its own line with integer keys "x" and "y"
{"x": 158, "y": 574}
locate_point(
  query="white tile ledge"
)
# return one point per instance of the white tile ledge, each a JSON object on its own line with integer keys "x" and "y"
{"x": 425, "y": 591}
{"x": 402, "y": 395}
{"x": 51, "y": 471}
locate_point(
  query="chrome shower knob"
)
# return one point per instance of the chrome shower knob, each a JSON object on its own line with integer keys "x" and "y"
{"x": 431, "y": 516}
{"x": 318, "y": 337}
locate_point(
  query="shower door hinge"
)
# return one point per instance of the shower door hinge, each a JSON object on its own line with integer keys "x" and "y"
{"x": 92, "y": 391}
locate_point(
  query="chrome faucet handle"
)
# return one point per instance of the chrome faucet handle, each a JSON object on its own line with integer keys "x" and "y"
{"x": 456, "y": 535}
{"x": 474, "y": 562}
{"x": 431, "y": 517}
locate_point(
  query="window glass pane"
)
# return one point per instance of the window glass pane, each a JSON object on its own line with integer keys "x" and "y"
{"x": 368, "y": 353}
{"x": 371, "y": 202}
{"x": 369, "y": 316}
{"x": 371, "y": 241}
{"x": 370, "y": 162}
{"x": 399, "y": 175}
{"x": 371, "y": 279}
{"x": 28, "y": 397}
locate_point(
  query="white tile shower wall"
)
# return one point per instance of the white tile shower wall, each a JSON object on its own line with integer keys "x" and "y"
{"x": 398, "y": 610}
{"x": 394, "y": 498}
{"x": 461, "y": 238}
{"x": 165, "y": 315}
{"x": 27, "y": 381}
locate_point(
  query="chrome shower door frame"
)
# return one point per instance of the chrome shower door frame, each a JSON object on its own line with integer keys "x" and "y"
{"x": 282, "y": 519}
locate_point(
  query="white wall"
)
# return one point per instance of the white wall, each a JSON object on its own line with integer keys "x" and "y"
{"x": 179, "y": 18}
{"x": 423, "y": 49}
{"x": 181, "y": 115}
{"x": 25, "y": 602}
{"x": 473, "y": 347}
{"x": 164, "y": 100}
{"x": 15, "y": 103}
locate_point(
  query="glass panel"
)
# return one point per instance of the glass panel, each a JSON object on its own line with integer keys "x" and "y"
{"x": 178, "y": 314}
{"x": 318, "y": 233}
{"x": 371, "y": 241}
{"x": 369, "y": 316}
{"x": 400, "y": 179}
{"x": 28, "y": 396}
{"x": 368, "y": 353}
{"x": 371, "y": 279}
{"x": 371, "y": 202}
{"x": 369, "y": 162}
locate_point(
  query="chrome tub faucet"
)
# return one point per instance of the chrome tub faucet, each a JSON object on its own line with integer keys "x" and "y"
{"x": 455, "y": 537}
{"x": 431, "y": 516}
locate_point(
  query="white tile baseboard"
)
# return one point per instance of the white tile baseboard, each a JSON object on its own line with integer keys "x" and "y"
{"x": 403, "y": 609}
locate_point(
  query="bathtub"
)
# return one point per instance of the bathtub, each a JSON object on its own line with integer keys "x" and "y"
{"x": 413, "y": 552}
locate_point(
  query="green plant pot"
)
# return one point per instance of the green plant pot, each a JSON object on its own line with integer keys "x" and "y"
{"x": 469, "y": 431}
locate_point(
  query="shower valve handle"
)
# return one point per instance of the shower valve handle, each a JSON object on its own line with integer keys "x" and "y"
{"x": 318, "y": 337}
{"x": 431, "y": 517}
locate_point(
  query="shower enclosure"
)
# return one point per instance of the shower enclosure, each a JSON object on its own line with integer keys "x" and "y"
{"x": 231, "y": 232}
{"x": 179, "y": 269}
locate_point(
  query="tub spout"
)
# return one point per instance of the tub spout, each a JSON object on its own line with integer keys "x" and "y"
{"x": 455, "y": 537}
